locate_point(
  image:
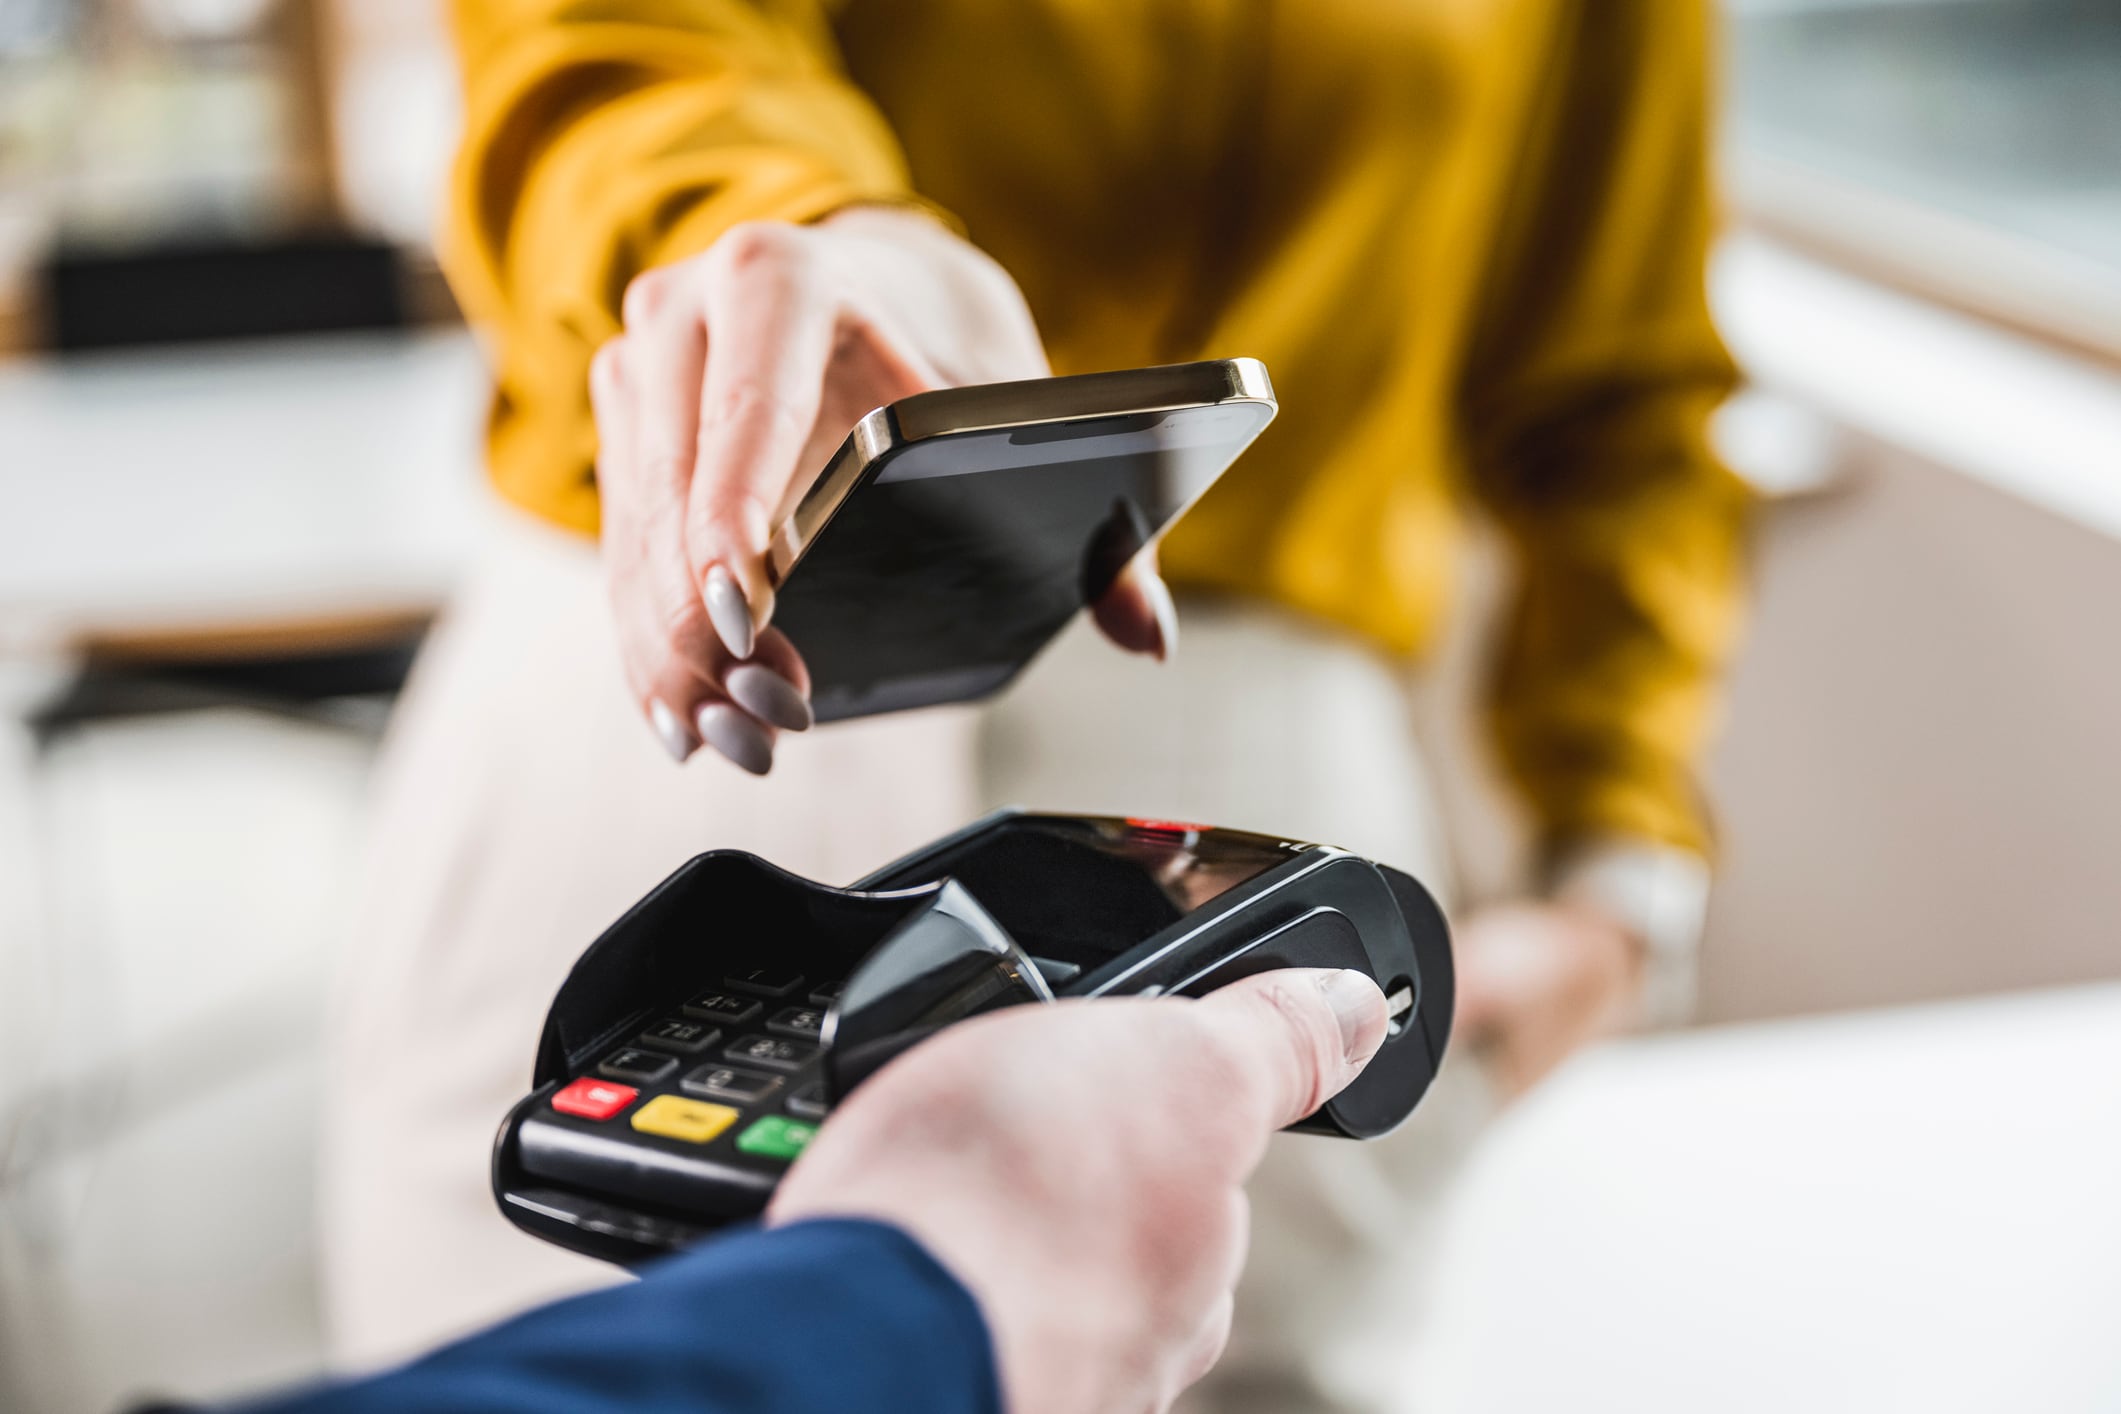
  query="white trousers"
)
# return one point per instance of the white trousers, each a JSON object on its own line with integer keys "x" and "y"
{"x": 522, "y": 806}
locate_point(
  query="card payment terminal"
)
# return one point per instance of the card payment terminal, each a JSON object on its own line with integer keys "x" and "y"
{"x": 698, "y": 1044}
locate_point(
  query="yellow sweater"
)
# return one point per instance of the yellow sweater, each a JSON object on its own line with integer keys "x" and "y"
{"x": 1465, "y": 236}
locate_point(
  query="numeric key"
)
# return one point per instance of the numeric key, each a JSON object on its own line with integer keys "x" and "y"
{"x": 773, "y": 1052}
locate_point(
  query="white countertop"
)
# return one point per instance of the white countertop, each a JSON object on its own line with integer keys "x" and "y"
{"x": 236, "y": 484}
{"x": 1913, "y": 1210}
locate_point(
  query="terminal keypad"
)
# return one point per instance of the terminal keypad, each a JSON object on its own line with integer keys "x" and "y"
{"x": 801, "y": 1021}
{"x": 728, "y": 1082}
{"x": 779, "y": 1052}
{"x": 721, "y": 1006}
{"x": 730, "y": 1072}
{"x": 681, "y": 1035}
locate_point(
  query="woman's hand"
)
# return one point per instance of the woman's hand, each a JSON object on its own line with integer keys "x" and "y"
{"x": 1538, "y": 981}
{"x": 740, "y": 371}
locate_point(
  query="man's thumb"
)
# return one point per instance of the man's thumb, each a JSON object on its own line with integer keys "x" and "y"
{"x": 1312, "y": 1030}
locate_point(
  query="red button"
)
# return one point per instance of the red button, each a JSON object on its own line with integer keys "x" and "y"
{"x": 594, "y": 1099}
{"x": 1166, "y": 827}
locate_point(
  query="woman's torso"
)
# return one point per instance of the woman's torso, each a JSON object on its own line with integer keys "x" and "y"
{"x": 1316, "y": 183}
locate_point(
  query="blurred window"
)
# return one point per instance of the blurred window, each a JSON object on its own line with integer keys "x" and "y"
{"x": 133, "y": 124}
{"x": 126, "y": 119}
{"x": 1972, "y": 147}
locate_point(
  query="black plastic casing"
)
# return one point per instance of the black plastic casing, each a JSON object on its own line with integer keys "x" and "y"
{"x": 604, "y": 1190}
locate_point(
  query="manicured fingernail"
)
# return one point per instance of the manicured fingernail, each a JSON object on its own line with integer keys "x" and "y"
{"x": 1359, "y": 1008}
{"x": 737, "y": 737}
{"x": 767, "y": 695}
{"x": 1158, "y": 594}
{"x": 728, "y": 612}
{"x": 676, "y": 740}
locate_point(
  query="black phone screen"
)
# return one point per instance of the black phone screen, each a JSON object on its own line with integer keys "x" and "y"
{"x": 961, "y": 556}
{"x": 1083, "y": 891}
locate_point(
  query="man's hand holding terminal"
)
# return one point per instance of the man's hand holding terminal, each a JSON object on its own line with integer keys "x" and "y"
{"x": 1080, "y": 1168}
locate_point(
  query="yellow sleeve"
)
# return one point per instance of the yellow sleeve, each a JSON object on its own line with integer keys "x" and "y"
{"x": 1587, "y": 398}
{"x": 604, "y": 139}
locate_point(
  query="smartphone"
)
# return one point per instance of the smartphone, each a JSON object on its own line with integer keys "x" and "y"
{"x": 955, "y": 533}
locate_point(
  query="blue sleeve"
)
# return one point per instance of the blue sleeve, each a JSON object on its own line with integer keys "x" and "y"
{"x": 830, "y": 1315}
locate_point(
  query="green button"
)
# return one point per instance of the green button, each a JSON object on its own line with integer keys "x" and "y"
{"x": 776, "y": 1137}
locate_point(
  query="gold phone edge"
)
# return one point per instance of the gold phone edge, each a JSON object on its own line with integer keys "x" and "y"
{"x": 1030, "y": 403}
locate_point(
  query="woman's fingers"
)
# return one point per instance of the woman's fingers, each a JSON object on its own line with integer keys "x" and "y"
{"x": 770, "y": 320}
{"x": 767, "y": 695}
{"x": 680, "y": 632}
{"x": 1137, "y": 612}
{"x": 673, "y": 632}
{"x": 741, "y": 716}
{"x": 672, "y": 653}
{"x": 666, "y": 356}
{"x": 774, "y": 685}
{"x": 670, "y": 310}
{"x": 625, "y": 545}
{"x": 739, "y": 371}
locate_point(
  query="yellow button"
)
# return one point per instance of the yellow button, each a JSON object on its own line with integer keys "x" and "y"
{"x": 675, "y": 1117}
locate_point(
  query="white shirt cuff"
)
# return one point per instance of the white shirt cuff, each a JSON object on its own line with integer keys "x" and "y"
{"x": 1658, "y": 893}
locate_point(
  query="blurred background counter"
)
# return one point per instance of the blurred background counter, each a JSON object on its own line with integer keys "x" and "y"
{"x": 240, "y": 498}
{"x": 225, "y": 521}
